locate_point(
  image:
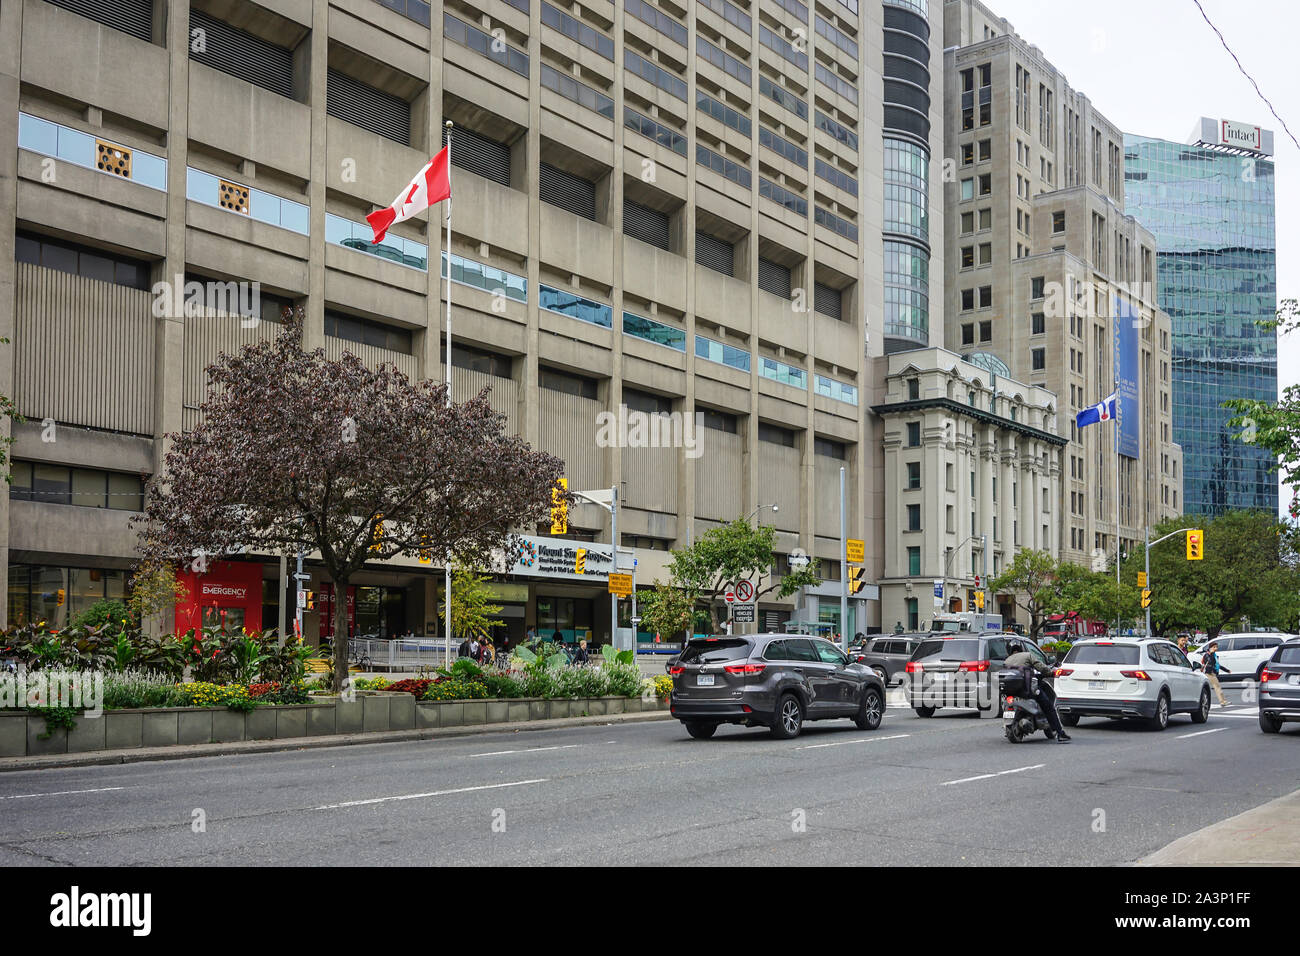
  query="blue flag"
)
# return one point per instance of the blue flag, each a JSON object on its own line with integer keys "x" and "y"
{"x": 1103, "y": 411}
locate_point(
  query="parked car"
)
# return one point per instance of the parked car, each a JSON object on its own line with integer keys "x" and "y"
{"x": 961, "y": 670}
{"x": 1279, "y": 688}
{"x": 771, "y": 680}
{"x": 887, "y": 654}
{"x": 1242, "y": 656}
{"x": 1132, "y": 677}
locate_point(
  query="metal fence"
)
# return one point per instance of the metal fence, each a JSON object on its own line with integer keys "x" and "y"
{"x": 394, "y": 655}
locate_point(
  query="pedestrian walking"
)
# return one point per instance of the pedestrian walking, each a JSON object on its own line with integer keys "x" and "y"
{"x": 476, "y": 650}
{"x": 463, "y": 650}
{"x": 489, "y": 654}
{"x": 1213, "y": 668}
{"x": 580, "y": 656}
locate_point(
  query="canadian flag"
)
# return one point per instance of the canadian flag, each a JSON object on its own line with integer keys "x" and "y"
{"x": 430, "y": 186}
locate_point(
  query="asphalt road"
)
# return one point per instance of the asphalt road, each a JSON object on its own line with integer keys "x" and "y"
{"x": 944, "y": 791}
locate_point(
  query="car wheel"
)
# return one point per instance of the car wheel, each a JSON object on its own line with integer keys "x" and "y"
{"x": 789, "y": 718}
{"x": 871, "y": 711}
{"x": 700, "y": 731}
{"x": 1161, "y": 718}
{"x": 1070, "y": 720}
{"x": 1202, "y": 712}
{"x": 1270, "y": 725}
{"x": 924, "y": 711}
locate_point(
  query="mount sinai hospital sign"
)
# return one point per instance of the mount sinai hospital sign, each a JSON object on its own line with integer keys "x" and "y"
{"x": 560, "y": 558}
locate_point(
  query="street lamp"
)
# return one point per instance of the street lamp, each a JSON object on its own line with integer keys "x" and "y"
{"x": 775, "y": 509}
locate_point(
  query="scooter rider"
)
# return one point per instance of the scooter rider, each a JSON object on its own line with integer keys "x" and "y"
{"x": 1046, "y": 697}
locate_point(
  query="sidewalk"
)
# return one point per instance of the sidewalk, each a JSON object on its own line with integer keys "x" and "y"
{"x": 1266, "y": 836}
{"x": 140, "y": 754}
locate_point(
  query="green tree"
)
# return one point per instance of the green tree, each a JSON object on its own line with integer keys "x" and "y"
{"x": 729, "y": 553}
{"x": 669, "y": 611}
{"x": 472, "y": 612}
{"x": 1037, "y": 582}
{"x": 1251, "y": 569}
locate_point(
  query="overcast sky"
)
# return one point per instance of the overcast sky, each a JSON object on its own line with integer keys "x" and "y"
{"x": 1154, "y": 66}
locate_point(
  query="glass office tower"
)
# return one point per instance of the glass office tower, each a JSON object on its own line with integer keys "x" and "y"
{"x": 1211, "y": 209}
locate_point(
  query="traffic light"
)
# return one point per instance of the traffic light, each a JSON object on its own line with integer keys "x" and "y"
{"x": 560, "y": 507}
{"x": 1195, "y": 544}
{"x": 377, "y": 538}
{"x": 856, "y": 582}
{"x": 979, "y": 600}
{"x": 580, "y": 561}
{"x": 311, "y": 600}
{"x": 1146, "y": 597}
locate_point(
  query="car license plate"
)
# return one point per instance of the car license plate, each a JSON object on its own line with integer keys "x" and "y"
{"x": 1293, "y": 678}
{"x": 704, "y": 680}
{"x": 1008, "y": 714}
{"x": 940, "y": 678}
{"x": 1096, "y": 685}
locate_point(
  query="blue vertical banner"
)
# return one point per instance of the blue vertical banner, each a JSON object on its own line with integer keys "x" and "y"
{"x": 1126, "y": 320}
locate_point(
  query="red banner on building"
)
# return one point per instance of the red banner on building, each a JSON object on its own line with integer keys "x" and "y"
{"x": 230, "y": 593}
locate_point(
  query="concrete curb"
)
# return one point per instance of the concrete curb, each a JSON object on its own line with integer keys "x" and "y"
{"x": 1268, "y": 835}
{"x": 141, "y": 754}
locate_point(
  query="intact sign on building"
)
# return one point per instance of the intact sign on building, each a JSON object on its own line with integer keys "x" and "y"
{"x": 1230, "y": 134}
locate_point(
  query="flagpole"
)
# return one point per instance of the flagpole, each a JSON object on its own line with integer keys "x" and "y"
{"x": 447, "y": 254}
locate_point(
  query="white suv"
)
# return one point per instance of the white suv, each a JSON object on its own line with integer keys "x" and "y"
{"x": 1242, "y": 656}
{"x": 1137, "y": 677}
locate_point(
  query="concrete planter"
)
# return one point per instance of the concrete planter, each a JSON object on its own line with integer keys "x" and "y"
{"x": 20, "y": 731}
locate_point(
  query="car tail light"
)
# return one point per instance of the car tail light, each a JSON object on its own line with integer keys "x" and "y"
{"x": 914, "y": 668}
{"x": 744, "y": 668}
{"x": 1063, "y": 672}
{"x": 1268, "y": 675}
{"x": 1139, "y": 675}
{"x": 746, "y": 708}
{"x": 973, "y": 667}
{"x": 674, "y": 671}
{"x": 1010, "y": 699}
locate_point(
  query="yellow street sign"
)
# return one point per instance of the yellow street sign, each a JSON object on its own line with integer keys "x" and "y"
{"x": 1195, "y": 544}
{"x": 620, "y": 584}
{"x": 854, "y": 550}
{"x": 1142, "y": 579}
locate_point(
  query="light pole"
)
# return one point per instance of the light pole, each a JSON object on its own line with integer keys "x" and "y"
{"x": 775, "y": 509}
{"x": 947, "y": 562}
{"x": 1150, "y": 544}
{"x": 598, "y": 498}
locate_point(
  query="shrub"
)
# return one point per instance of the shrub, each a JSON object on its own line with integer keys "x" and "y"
{"x": 455, "y": 690}
{"x": 623, "y": 679}
{"x": 663, "y": 686}
{"x": 137, "y": 687}
{"x": 416, "y": 686}
{"x": 203, "y": 694}
{"x": 505, "y": 684}
{"x": 371, "y": 683}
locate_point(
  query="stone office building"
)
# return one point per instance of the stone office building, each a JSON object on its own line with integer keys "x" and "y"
{"x": 668, "y": 206}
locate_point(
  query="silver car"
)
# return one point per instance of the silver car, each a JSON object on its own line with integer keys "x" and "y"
{"x": 771, "y": 680}
{"x": 888, "y": 654}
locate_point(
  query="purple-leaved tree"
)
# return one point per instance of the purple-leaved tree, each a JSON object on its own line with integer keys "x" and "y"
{"x": 297, "y": 451}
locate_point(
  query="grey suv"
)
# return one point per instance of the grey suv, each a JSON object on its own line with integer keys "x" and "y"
{"x": 771, "y": 680}
{"x": 961, "y": 670}
{"x": 1279, "y": 689}
{"x": 887, "y": 655}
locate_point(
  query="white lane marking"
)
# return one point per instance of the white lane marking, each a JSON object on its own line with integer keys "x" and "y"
{"x": 528, "y": 750}
{"x": 987, "y": 776}
{"x": 60, "y": 793}
{"x": 432, "y": 793}
{"x": 1250, "y": 716}
{"x": 1202, "y": 733}
{"x": 862, "y": 740}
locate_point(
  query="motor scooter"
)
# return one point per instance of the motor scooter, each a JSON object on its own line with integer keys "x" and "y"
{"x": 1021, "y": 712}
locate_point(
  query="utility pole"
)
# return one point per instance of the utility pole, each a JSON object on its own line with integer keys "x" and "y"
{"x": 984, "y": 581}
{"x": 844, "y": 569}
{"x": 1148, "y": 577}
{"x": 613, "y": 569}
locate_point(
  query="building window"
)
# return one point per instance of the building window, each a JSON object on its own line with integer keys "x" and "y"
{"x": 986, "y": 331}
{"x": 967, "y": 300}
{"x": 913, "y": 434}
{"x": 913, "y": 517}
{"x": 986, "y": 297}
{"x": 913, "y": 475}
{"x": 569, "y": 384}
{"x": 55, "y": 484}
{"x": 914, "y": 560}
{"x": 913, "y": 388}
{"x": 1039, "y": 357}
{"x": 81, "y": 261}
{"x": 1058, "y": 222}
{"x": 1036, "y": 287}
{"x": 775, "y": 435}
{"x": 968, "y": 333}
{"x": 575, "y": 306}
{"x": 365, "y": 332}
{"x": 1039, "y": 323}
{"x": 830, "y": 449}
